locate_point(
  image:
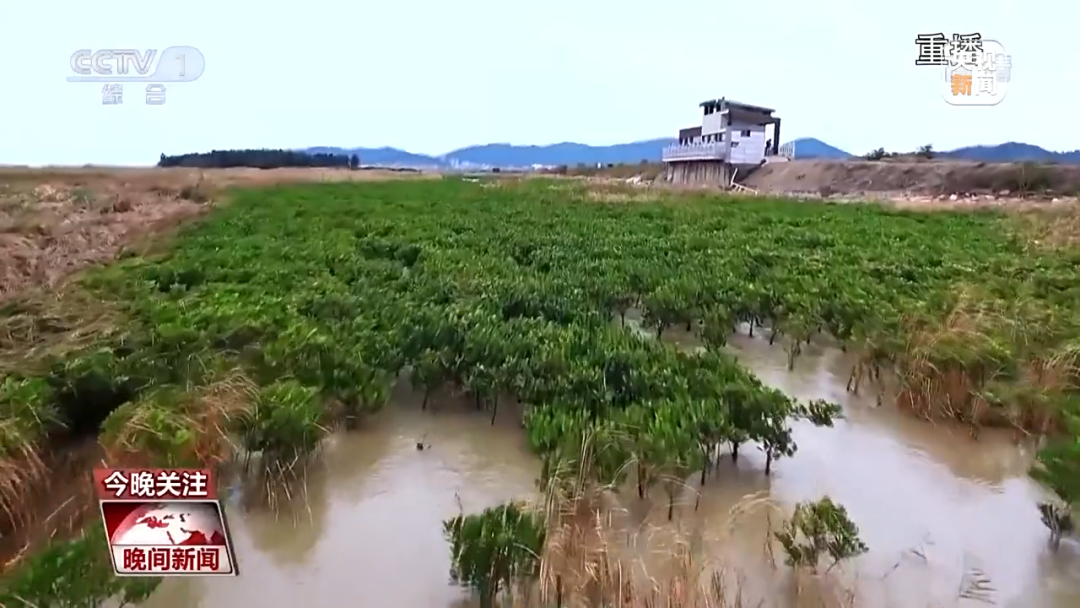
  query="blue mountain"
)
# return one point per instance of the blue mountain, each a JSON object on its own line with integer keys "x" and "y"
{"x": 561, "y": 154}
{"x": 1011, "y": 152}
{"x": 810, "y": 148}
{"x": 385, "y": 156}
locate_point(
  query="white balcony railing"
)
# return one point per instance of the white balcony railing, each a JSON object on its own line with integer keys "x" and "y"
{"x": 701, "y": 151}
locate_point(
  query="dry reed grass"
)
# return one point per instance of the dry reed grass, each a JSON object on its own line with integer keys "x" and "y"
{"x": 47, "y": 324}
{"x": 589, "y": 559}
{"x": 22, "y": 474}
{"x": 58, "y": 504}
{"x": 179, "y": 177}
{"x": 949, "y": 369}
{"x": 1054, "y": 227}
{"x": 37, "y": 476}
{"x": 62, "y": 229}
{"x": 617, "y": 195}
{"x": 141, "y": 432}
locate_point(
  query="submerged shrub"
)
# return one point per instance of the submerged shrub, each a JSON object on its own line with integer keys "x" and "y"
{"x": 26, "y": 416}
{"x": 284, "y": 424}
{"x": 492, "y": 550}
{"x": 1058, "y": 465}
{"x": 819, "y": 529}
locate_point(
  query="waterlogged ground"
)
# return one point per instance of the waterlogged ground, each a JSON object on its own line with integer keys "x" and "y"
{"x": 939, "y": 511}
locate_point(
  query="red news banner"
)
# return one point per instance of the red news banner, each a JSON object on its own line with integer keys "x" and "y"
{"x": 164, "y": 522}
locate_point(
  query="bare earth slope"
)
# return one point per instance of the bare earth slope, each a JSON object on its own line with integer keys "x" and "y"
{"x": 915, "y": 177}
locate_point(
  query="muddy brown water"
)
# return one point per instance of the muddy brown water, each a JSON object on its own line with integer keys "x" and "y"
{"x": 944, "y": 515}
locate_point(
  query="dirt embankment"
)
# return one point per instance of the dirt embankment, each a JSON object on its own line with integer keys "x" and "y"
{"x": 926, "y": 178}
{"x": 57, "y": 221}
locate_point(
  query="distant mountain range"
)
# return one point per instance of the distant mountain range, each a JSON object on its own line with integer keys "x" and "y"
{"x": 507, "y": 155}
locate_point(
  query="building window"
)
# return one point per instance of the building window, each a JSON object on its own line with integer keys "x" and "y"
{"x": 746, "y": 133}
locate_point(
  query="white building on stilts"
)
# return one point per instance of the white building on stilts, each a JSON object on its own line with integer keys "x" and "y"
{"x": 732, "y": 137}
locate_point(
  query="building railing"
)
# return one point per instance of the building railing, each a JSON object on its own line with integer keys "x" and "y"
{"x": 698, "y": 151}
{"x": 787, "y": 150}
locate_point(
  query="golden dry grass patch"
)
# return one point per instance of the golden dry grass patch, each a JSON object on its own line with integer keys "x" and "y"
{"x": 592, "y": 553}
{"x": 57, "y": 504}
{"x": 148, "y": 428}
{"x": 1054, "y": 226}
{"x": 54, "y": 230}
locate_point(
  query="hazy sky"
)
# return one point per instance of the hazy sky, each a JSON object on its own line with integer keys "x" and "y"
{"x": 432, "y": 76}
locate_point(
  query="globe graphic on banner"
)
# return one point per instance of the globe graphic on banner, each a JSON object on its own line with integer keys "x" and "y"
{"x": 176, "y": 523}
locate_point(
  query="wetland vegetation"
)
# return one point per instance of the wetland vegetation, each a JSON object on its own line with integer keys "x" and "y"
{"x": 292, "y": 312}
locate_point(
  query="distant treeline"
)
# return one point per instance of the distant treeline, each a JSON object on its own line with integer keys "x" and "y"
{"x": 259, "y": 159}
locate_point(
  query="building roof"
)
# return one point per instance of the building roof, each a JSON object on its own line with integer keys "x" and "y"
{"x": 731, "y": 103}
{"x": 740, "y": 115}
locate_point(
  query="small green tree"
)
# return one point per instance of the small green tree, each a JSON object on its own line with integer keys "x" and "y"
{"x": 819, "y": 412}
{"x": 664, "y": 308}
{"x": 817, "y": 529}
{"x": 74, "y": 574}
{"x": 492, "y": 550}
{"x": 875, "y": 154}
{"x": 772, "y": 430}
{"x": 675, "y": 447}
{"x": 577, "y": 455}
{"x": 641, "y": 447}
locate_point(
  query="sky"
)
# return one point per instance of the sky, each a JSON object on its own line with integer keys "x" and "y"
{"x": 430, "y": 77}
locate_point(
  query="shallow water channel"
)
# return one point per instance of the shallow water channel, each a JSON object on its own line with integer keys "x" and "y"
{"x": 939, "y": 510}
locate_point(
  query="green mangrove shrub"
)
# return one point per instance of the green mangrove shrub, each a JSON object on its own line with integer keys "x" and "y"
{"x": 492, "y": 550}
{"x": 76, "y": 573}
{"x": 819, "y": 529}
{"x": 284, "y": 424}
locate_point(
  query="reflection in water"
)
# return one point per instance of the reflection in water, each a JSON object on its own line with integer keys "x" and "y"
{"x": 375, "y": 532}
{"x": 936, "y": 508}
{"x": 301, "y": 518}
{"x": 822, "y": 373}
